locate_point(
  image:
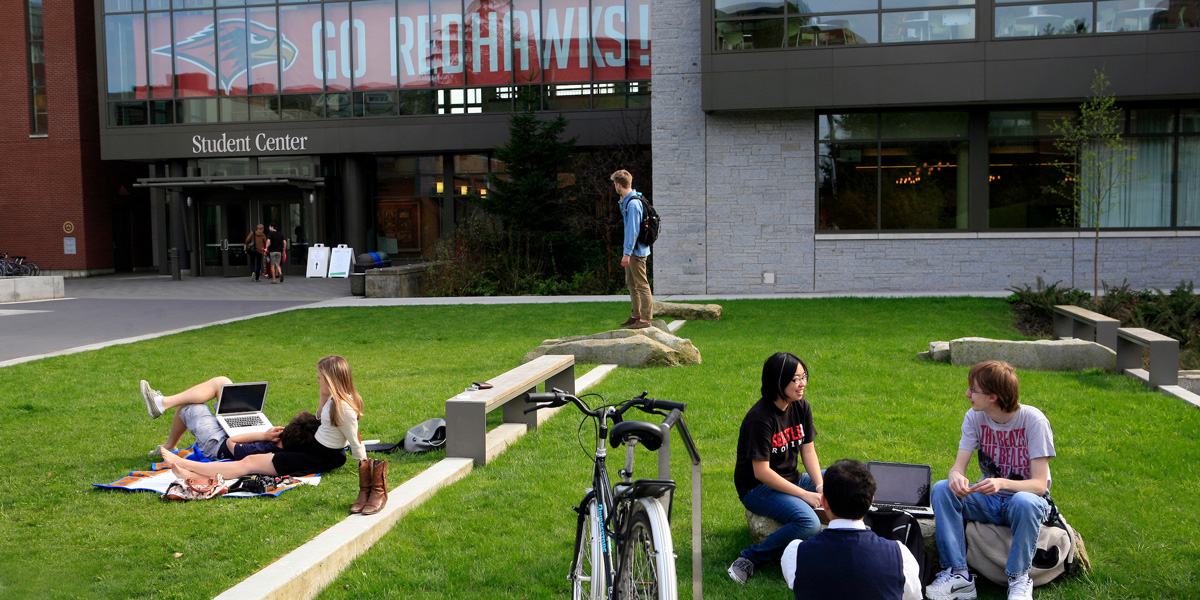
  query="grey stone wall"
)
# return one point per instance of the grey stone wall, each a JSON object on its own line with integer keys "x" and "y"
{"x": 678, "y": 142}
{"x": 737, "y": 195}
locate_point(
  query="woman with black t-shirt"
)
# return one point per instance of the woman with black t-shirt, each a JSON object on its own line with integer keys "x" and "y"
{"x": 776, "y": 434}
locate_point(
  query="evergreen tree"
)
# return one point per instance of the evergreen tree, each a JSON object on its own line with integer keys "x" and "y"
{"x": 531, "y": 196}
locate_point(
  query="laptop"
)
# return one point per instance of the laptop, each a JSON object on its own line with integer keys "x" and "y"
{"x": 903, "y": 487}
{"x": 239, "y": 408}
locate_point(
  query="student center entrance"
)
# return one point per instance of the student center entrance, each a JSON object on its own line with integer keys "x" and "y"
{"x": 367, "y": 123}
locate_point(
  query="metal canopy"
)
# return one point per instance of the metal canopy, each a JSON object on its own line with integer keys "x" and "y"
{"x": 235, "y": 181}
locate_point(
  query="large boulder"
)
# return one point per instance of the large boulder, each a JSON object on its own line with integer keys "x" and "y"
{"x": 649, "y": 347}
{"x": 1037, "y": 355}
{"x": 688, "y": 312}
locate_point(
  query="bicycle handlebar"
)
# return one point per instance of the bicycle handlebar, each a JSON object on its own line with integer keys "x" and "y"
{"x": 557, "y": 397}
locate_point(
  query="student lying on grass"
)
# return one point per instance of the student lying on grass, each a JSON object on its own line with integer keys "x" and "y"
{"x": 339, "y": 407}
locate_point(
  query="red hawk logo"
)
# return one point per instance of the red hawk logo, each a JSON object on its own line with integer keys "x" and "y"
{"x": 244, "y": 45}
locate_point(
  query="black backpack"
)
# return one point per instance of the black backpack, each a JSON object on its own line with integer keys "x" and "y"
{"x": 891, "y": 524}
{"x": 648, "y": 233}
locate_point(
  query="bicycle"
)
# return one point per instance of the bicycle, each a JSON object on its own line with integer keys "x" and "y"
{"x": 17, "y": 266}
{"x": 623, "y": 545}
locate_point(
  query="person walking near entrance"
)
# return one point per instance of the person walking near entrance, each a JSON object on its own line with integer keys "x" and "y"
{"x": 634, "y": 253}
{"x": 276, "y": 246}
{"x": 256, "y": 244}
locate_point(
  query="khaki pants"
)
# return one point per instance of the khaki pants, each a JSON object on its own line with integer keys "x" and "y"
{"x": 639, "y": 288}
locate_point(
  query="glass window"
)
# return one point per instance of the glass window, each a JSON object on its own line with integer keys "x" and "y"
{"x": 923, "y": 185}
{"x": 1189, "y": 121}
{"x": 264, "y": 108}
{"x": 847, "y": 186}
{"x": 412, "y": 27}
{"x": 223, "y": 167}
{"x": 929, "y": 25}
{"x": 446, "y": 42}
{"x": 235, "y": 110}
{"x": 377, "y": 103}
{"x": 1024, "y": 122}
{"x": 161, "y": 74}
{"x": 807, "y": 7}
{"x": 372, "y": 59}
{"x": 302, "y": 106}
{"x": 1145, "y": 198}
{"x": 233, "y": 40}
{"x": 195, "y": 53}
{"x": 38, "y": 109}
{"x": 1153, "y": 120}
{"x": 1188, "y": 192}
{"x": 850, "y": 126}
{"x": 269, "y": 51}
{"x": 1022, "y": 179}
{"x": 750, "y": 35}
{"x": 307, "y": 72}
{"x": 741, "y": 8}
{"x": 339, "y": 50}
{"x": 197, "y": 110}
{"x": 833, "y": 30}
{"x": 125, "y": 52}
{"x": 924, "y": 125}
{"x": 286, "y": 165}
{"x": 1044, "y": 19}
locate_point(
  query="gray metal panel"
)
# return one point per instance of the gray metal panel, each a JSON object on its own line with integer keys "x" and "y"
{"x": 1157, "y": 64}
{"x": 414, "y": 134}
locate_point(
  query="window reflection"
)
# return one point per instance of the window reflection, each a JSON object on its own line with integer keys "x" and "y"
{"x": 1044, "y": 19}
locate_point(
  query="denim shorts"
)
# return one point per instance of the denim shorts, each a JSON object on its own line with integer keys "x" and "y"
{"x": 200, "y": 421}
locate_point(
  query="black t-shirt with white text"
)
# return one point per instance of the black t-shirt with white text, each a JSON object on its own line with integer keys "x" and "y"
{"x": 775, "y": 436}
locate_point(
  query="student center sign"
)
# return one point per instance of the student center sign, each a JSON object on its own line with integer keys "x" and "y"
{"x": 816, "y": 146}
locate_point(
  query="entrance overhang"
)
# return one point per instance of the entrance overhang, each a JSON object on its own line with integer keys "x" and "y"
{"x": 305, "y": 182}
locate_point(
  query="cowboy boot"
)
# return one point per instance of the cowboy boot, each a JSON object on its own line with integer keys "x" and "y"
{"x": 378, "y": 488}
{"x": 364, "y": 485}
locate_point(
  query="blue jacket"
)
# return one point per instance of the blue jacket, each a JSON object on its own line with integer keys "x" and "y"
{"x": 631, "y": 211}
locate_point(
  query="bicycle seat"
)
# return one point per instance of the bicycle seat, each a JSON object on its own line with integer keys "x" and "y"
{"x": 647, "y": 433}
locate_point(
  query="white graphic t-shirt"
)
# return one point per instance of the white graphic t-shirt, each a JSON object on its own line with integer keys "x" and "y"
{"x": 1006, "y": 449}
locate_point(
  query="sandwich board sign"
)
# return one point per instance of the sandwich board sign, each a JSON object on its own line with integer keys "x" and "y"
{"x": 318, "y": 260}
{"x": 339, "y": 262}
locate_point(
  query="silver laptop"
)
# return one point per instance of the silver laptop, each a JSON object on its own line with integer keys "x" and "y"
{"x": 239, "y": 408}
{"x": 902, "y": 486}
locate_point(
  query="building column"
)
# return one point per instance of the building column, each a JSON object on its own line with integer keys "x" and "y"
{"x": 355, "y": 204}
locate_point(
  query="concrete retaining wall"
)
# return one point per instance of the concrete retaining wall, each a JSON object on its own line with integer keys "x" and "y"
{"x": 396, "y": 282}
{"x": 19, "y": 289}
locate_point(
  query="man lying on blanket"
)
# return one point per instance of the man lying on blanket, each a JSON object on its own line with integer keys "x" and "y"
{"x": 215, "y": 444}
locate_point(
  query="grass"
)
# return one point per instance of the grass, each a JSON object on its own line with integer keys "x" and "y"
{"x": 1122, "y": 476}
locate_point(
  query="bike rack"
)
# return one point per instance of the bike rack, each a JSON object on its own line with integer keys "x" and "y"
{"x": 664, "y": 472}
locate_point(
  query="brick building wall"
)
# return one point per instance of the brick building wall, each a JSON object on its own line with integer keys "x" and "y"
{"x": 49, "y": 180}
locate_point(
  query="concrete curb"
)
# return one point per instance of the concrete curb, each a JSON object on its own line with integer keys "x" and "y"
{"x": 304, "y": 572}
{"x": 24, "y": 289}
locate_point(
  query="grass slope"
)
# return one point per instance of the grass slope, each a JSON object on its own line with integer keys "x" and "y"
{"x": 1123, "y": 475}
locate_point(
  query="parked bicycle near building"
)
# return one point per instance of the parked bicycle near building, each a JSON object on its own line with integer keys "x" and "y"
{"x": 623, "y": 544}
{"x": 17, "y": 266}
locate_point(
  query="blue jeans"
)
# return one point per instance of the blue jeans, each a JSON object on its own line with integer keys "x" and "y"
{"x": 799, "y": 520}
{"x": 1022, "y": 512}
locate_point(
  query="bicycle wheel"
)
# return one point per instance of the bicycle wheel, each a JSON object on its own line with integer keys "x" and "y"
{"x": 587, "y": 570}
{"x": 647, "y": 555}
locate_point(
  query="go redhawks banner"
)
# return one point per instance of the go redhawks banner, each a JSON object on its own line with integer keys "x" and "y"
{"x": 378, "y": 44}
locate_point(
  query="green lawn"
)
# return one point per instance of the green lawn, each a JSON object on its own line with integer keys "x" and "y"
{"x": 1123, "y": 476}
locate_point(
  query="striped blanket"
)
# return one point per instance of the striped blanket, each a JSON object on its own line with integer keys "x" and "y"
{"x": 160, "y": 476}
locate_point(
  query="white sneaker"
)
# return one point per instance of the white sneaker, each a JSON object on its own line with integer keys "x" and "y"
{"x": 153, "y": 400}
{"x": 1020, "y": 588}
{"x": 948, "y": 586}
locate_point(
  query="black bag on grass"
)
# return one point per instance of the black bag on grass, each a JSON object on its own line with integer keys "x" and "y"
{"x": 892, "y": 524}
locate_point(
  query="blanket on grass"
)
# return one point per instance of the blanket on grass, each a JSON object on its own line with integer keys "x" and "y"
{"x": 159, "y": 477}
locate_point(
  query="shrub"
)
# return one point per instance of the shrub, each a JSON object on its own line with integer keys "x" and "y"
{"x": 1174, "y": 314}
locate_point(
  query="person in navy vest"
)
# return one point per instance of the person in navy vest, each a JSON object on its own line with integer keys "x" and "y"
{"x": 847, "y": 560}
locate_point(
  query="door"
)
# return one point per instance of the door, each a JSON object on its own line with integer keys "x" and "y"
{"x": 289, "y": 216}
{"x": 223, "y": 227}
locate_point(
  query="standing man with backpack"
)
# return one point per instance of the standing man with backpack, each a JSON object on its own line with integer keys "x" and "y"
{"x": 635, "y": 252}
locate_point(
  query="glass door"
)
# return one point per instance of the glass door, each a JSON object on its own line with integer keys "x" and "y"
{"x": 289, "y": 217}
{"x": 223, "y": 226}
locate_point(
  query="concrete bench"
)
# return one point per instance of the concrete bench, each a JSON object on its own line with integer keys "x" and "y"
{"x": 466, "y": 413}
{"x": 1164, "y": 356}
{"x": 1080, "y": 323}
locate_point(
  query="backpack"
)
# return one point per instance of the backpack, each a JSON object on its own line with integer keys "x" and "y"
{"x": 892, "y": 524}
{"x": 648, "y": 232}
{"x": 1059, "y": 550}
{"x": 425, "y": 436}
